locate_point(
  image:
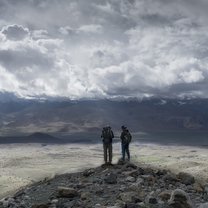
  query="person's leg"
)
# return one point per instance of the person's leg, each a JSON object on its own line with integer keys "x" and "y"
{"x": 127, "y": 151}
{"x": 110, "y": 152}
{"x": 123, "y": 151}
{"x": 105, "y": 152}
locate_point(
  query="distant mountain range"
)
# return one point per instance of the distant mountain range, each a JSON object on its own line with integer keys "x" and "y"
{"x": 18, "y": 117}
{"x": 33, "y": 138}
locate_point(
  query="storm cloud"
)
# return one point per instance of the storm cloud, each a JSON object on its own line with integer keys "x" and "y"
{"x": 104, "y": 48}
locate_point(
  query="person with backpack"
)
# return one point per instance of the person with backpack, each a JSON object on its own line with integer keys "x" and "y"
{"x": 107, "y": 135}
{"x": 125, "y": 141}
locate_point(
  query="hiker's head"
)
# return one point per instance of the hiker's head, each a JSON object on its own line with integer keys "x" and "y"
{"x": 123, "y": 128}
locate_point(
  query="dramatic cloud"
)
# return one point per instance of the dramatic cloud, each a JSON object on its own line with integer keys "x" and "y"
{"x": 104, "y": 48}
{"x": 15, "y": 32}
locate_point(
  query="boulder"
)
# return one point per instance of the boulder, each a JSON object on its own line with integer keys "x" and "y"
{"x": 126, "y": 196}
{"x": 132, "y": 205}
{"x": 179, "y": 199}
{"x": 133, "y": 173}
{"x": 186, "y": 178}
{"x": 120, "y": 162}
{"x": 134, "y": 187}
{"x": 99, "y": 191}
{"x": 131, "y": 165}
{"x": 140, "y": 181}
{"x": 85, "y": 196}
{"x": 88, "y": 172}
{"x": 41, "y": 206}
{"x": 131, "y": 197}
{"x": 170, "y": 177}
{"x": 99, "y": 206}
{"x": 148, "y": 171}
{"x": 206, "y": 188}
{"x": 150, "y": 200}
{"x": 54, "y": 201}
{"x": 128, "y": 166}
{"x": 150, "y": 179}
{"x": 67, "y": 192}
{"x": 160, "y": 172}
{"x": 130, "y": 179}
{"x": 8, "y": 202}
{"x": 111, "y": 178}
{"x": 164, "y": 196}
{"x": 198, "y": 187}
{"x": 204, "y": 205}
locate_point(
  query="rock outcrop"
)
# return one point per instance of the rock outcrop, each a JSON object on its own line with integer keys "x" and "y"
{"x": 113, "y": 186}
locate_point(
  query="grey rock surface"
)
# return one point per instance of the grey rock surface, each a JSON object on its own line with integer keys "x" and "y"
{"x": 112, "y": 186}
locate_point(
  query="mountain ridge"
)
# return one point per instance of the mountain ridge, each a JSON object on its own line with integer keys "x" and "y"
{"x": 90, "y": 116}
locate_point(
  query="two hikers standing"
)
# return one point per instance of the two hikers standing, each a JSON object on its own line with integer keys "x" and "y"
{"x": 107, "y": 135}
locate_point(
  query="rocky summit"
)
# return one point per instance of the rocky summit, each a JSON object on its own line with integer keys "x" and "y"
{"x": 124, "y": 185}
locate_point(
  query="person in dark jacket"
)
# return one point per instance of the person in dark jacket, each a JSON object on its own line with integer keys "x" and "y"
{"x": 125, "y": 141}
{"x": 107, "y": 135}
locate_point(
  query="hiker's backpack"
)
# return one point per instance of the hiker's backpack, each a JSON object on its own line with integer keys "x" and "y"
{"x": 127, "y": 138}
{"x": 107, "y": 135}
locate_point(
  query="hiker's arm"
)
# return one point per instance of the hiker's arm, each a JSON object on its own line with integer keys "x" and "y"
{"x": 122, "y": 135}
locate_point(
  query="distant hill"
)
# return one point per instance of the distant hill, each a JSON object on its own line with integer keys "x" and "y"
{"x": 41, "y": 138}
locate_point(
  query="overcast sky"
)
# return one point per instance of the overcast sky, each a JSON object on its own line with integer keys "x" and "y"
{"x": 104, "y": 48}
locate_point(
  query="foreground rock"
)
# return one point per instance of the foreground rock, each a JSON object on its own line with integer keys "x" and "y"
{"x": 115, "y": 186}
{"x": 67, "y": 192}
{"x": 186, "y": 178}
{"x": 180, "y": 199}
